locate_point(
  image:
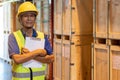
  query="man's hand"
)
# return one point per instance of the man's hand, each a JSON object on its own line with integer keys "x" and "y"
{"x": 40, "y": 52}
{"x": 24, "y": 51}
{"x": 49, "y": 58}
{"x": 37, "y": 52}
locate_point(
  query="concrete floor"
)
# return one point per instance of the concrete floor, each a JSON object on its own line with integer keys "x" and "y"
{"x": 5, "y": 70}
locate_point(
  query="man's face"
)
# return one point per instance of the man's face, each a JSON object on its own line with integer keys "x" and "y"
{"x": 27, "y": 19}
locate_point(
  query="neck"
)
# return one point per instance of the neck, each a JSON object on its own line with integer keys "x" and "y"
{"x": 28, "y": 32}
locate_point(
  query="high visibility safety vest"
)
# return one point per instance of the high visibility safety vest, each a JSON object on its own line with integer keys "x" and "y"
{"x": 21, "y": 73}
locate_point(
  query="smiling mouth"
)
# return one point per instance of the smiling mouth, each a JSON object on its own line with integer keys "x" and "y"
{"x": 29, "y": 22}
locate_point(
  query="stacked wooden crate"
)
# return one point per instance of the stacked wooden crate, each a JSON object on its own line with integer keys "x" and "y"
{"x": 106, "y": 47}
{"x": 72, "y": 39}
{"x": 57, "y": 66}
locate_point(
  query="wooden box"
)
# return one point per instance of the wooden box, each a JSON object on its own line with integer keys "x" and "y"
{"x": 58, "y": 17}
{"x": 115, "y": 62}
{"x": 82, "y": 17}
{"x": 67, "y": 20}
{"x": 77, "y": 17}
{"x": 75, "y": 64}
{"x": 80, "y": 62}
{"x": 66, "y": 60}
{"x": 57, "y": 66}
{"x": 114, "y": 31}
{"x": 101, "y": 18}
{"x": 101, "y": 62}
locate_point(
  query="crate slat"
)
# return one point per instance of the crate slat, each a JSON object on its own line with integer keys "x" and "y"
{"x": 114, "y": 31}
{"x": 101, "y": 62}
{"x": 58, "y": 16}
{"x": 101, "y": 16}
{"x": 58, "y": 59}
{"x": 115, "y": 62}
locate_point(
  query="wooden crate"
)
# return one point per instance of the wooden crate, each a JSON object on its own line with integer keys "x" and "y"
{"x": 80, "y": 62}
{"x": 72, "y": 16}
{"x": 57, "y": 68}
{"x": 107, "y": 19}
{"x": 114, "y": 31}
{"x": 67, "y": 17}
{"x": 75, "y": 63}
{"x": 58, "y": 17}
{"x": 66, "y": 60}
{"x": 58, "y": 24}
{"x": 101, "y": 62}
{"x": 115, "y": 62}
{"x": 101, "y": 18}
{"x": 82, "y": 17}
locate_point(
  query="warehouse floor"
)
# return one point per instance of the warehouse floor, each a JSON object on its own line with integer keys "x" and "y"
{"x": 5, "y": 70}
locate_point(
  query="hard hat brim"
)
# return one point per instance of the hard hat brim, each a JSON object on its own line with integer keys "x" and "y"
{"x": 22, "y": 13}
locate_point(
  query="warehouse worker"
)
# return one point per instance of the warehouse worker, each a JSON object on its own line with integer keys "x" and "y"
{"x": 26, "y": 15}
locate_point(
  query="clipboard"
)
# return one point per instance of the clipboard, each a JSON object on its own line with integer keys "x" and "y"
{"x": 33, "y": 44}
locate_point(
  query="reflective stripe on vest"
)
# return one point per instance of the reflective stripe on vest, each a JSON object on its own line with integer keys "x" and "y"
{"x": 26, "y": 75}
{"x": 22, "y": 73}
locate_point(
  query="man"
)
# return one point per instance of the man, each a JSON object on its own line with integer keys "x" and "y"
{"x": 27, "y": 13}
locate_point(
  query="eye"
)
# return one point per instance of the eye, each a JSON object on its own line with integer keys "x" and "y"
{"x": 25, "y": 15}
{"x": 32, "y": 15}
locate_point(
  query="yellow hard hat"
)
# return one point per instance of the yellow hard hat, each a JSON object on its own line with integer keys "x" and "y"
{"x": 25, "y": 7}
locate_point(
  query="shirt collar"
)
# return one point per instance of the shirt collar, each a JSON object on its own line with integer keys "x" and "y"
{"x": 34, "y": 34}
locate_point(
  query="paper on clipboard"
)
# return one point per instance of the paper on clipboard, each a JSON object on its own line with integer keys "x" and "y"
{"x": 33, "y": 44}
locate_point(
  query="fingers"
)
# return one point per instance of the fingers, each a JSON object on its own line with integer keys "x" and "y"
{"x": 43, "y": 52}
{"x": 40, "y": 52}
{"x": 50, "y": 58}
{"x": 51, "y": 61}
{"x": 25, "y": 50}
